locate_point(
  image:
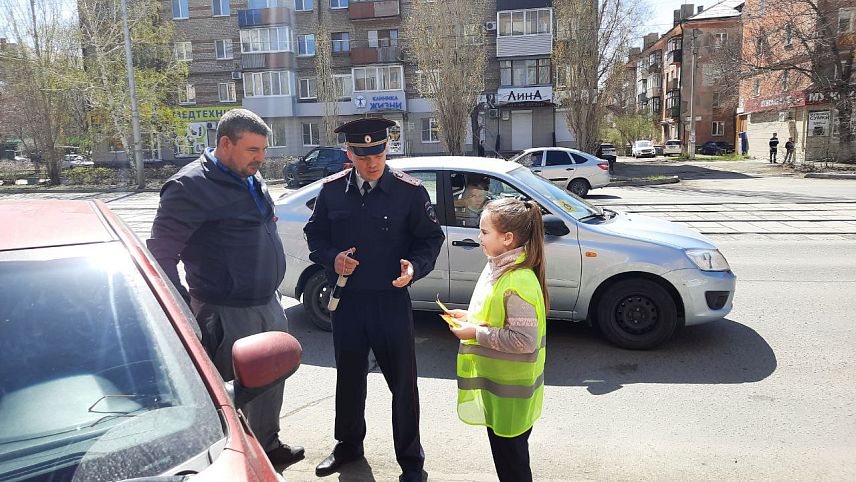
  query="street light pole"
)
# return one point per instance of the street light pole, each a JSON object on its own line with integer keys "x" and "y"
{"x": 135, "y": 113}
{"x": 692, "y": 140}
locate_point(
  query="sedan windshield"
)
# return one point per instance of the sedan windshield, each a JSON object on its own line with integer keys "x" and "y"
{"x": 562, "y": 199}
{"x": 94, "y": 382}
{"x": 643, "y": 144}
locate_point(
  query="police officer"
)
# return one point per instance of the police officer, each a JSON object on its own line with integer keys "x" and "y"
{"x": 377, "y": 226}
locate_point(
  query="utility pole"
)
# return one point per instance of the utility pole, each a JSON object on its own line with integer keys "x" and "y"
{"x": 135, "y": 113}
{"x": 692, "y": 140}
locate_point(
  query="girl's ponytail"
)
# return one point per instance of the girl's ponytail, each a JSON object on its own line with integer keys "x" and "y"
{"x": 534, "y": 247}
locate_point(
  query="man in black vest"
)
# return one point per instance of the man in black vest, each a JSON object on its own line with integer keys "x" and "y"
{"x": 378, "y": 227}
{"x": 774, "y": 145}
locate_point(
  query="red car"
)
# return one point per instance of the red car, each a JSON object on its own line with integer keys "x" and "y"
{"x": 102, "y": 375}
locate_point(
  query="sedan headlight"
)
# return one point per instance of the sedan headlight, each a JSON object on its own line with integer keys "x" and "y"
{"x": 708, "y": 259}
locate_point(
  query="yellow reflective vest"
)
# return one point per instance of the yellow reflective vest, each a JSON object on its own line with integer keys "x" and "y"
{"x": 503, "y": 391}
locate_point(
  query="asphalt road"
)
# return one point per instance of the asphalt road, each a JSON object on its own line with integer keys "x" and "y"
{"x": 766, "y": 394}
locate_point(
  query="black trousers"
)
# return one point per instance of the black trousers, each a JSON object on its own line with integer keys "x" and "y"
{"x": 383, "y": 322}
{"x": 511, "y": 456}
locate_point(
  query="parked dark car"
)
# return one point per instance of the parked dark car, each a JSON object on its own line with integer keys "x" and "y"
{"x": 715, "y": 148}
{"x": 317, "y": 164}
{"x": 605, "y": 152}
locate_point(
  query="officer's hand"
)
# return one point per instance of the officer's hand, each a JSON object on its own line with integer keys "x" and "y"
{"x": 406, "y": 274}
{"x": 344, "y": 264}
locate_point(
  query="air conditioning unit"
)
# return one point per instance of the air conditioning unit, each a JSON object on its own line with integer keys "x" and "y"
{"x": 490, "y": 26}
{"x": 236, "y": 75}
{"x": 493, "y": 113}
{"x": 210, "y": 125}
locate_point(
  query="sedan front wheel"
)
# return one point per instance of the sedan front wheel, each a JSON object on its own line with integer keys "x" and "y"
{"x": 637, "y": 314}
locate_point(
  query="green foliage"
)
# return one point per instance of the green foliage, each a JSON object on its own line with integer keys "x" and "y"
{"x": 634, "y": 127}
{"x": 272, "y": 168}
{"x": 91, "y": 176}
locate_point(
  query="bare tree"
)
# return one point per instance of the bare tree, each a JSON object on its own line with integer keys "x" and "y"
{"x": 445, "y": 40}
{"x": 46, "y": 62}
{"x": 592, "y": 40}
{"x": 158, "y": 73}
{"x": 800, "y": 44}
{"x": 326, "y": 82}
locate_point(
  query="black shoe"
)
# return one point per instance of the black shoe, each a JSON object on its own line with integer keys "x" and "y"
{"x": 334, "y": 462}
{"x": 413, "y": 476}
{"x": 285, "y": 454}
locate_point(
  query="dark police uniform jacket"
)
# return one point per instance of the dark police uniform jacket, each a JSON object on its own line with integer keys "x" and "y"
{"x": 231, "y": 251}
{"x": 394, "y": 221}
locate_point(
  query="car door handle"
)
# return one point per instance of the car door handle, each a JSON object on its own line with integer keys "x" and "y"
{"x": 467, "y": 242}
{"x": 569, "y": 168}
{"x": 536, "y": 171}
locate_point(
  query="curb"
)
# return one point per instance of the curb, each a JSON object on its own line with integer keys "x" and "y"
{"x": 644, "y": 182}
{"x": 830, "y": 175}
{"x": 71, "y": 191}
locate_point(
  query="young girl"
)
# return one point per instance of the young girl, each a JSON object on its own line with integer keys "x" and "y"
{"x": 501, "y": 357}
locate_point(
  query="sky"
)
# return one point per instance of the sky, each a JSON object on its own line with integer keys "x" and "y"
{"x": 662, "y": 15}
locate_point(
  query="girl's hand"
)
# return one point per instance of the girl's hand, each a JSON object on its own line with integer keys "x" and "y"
{"x": 460, "y": 315}
{"x": 466, "y": 330}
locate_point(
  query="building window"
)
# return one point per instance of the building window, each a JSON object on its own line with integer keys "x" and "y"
{"x": 341, "y": 42}
{"x": 179, "y": 9}
{"x": 310, "y": 135}
{"x": 307, "y": 89}
{"x": 847, "y": 20}
{"x": 226, "y": 91}
{"x": 789, "y": 34}
{"x": 183, "y": 51}
{"x": 785, "y": 80}
{"x": 223, "y": 49}
{"x": 756, "y": 89}
{"x": 303, "y": 6}
{"x": 272, "y": 39}
{"x": 430, "y": 130}
{"x": 759, "y": 46}
{"x": 220, "y": 8}
{"x": 718, "y": 128}
{"x": 378, "y": 78}
{"x": 719, "y": 40}
{"x": 268, "y": 3}
{"x": 278, "y": 130}
{"x": 263, "y": 84}
{"x": 344, "y": 86}
{"x": 383, "y": 38}
{"x": 716, "y": 100}
{"x": 525, "y": 22}
{"x": 306, "y": 45}
{"x": 525, "y": 72}
{"x": 334, "y": 4}
{"x": 187, "y": 95}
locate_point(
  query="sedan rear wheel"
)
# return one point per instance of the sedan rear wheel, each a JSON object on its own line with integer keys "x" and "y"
{"x": 637, "y": 314}
{"x": 580, "y": 187}
{"x": 290, "y": 181}
{"x": 316, "y": 294}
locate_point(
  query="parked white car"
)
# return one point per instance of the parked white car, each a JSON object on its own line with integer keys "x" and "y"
{"x": 643, "y": 149}
{"x": 571, "y": 169}
{"x": 637, "y": 278}
{"x": 672, "y": 147}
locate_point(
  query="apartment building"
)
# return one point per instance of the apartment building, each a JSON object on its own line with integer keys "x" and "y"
{"x": 667, "y": 75}
{"x": 783, "y": 100}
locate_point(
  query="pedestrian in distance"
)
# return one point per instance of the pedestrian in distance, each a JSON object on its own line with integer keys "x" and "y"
{"x": 789, "y": 151}
{"x": 376, "y": 226}
{"x": 481, "y": 149}
{"x": 774, "y": 144}
{"x": 500, "y": 366}
{"x": 217, "y": 217}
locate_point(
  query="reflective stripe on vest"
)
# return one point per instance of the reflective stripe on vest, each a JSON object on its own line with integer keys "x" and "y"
{"x": 503, "y": 391}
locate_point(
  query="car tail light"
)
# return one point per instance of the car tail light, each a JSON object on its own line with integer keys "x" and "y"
{"x": 603, "y": 166}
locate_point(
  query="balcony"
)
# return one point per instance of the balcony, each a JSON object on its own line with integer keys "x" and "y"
{"x": 655, "y": 67}
{"x": 674, "y": 112}
{"x": 674, "y": 85}
{"x": 255, "y": 17}
{"x": 375, "y": 55}
{"x": 654, "y": 91}
{"x": 265, "y": 61}
{"x": 674, "y": 56}
{"x": 642, "y": 98}
{"x": 369, "y": 10}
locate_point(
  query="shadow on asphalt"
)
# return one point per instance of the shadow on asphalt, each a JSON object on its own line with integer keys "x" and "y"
{"x": 723, "y": 351}
{"x": 685, "y": 172}
{"x": 595, "y": 197}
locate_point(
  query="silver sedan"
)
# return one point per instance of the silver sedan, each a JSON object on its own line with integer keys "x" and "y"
{"x": 637, "y": 278}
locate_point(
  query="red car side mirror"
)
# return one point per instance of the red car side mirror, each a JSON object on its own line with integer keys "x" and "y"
{"x": 261, "y": 360}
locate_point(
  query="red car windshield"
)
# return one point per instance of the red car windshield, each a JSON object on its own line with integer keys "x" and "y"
{"x": 94, "y": 382}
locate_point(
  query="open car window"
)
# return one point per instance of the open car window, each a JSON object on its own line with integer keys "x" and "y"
{"x": 472, "y": 191}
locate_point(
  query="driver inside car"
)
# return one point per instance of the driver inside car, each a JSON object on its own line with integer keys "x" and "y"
{"x": 468, "y": 206}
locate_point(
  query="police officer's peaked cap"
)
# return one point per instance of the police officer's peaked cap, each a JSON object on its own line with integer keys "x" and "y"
{"x": 366, "y": 137}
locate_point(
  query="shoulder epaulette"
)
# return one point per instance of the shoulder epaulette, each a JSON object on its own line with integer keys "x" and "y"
{"x": 403, "y": 176}
{"x": 338, "y": 175}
